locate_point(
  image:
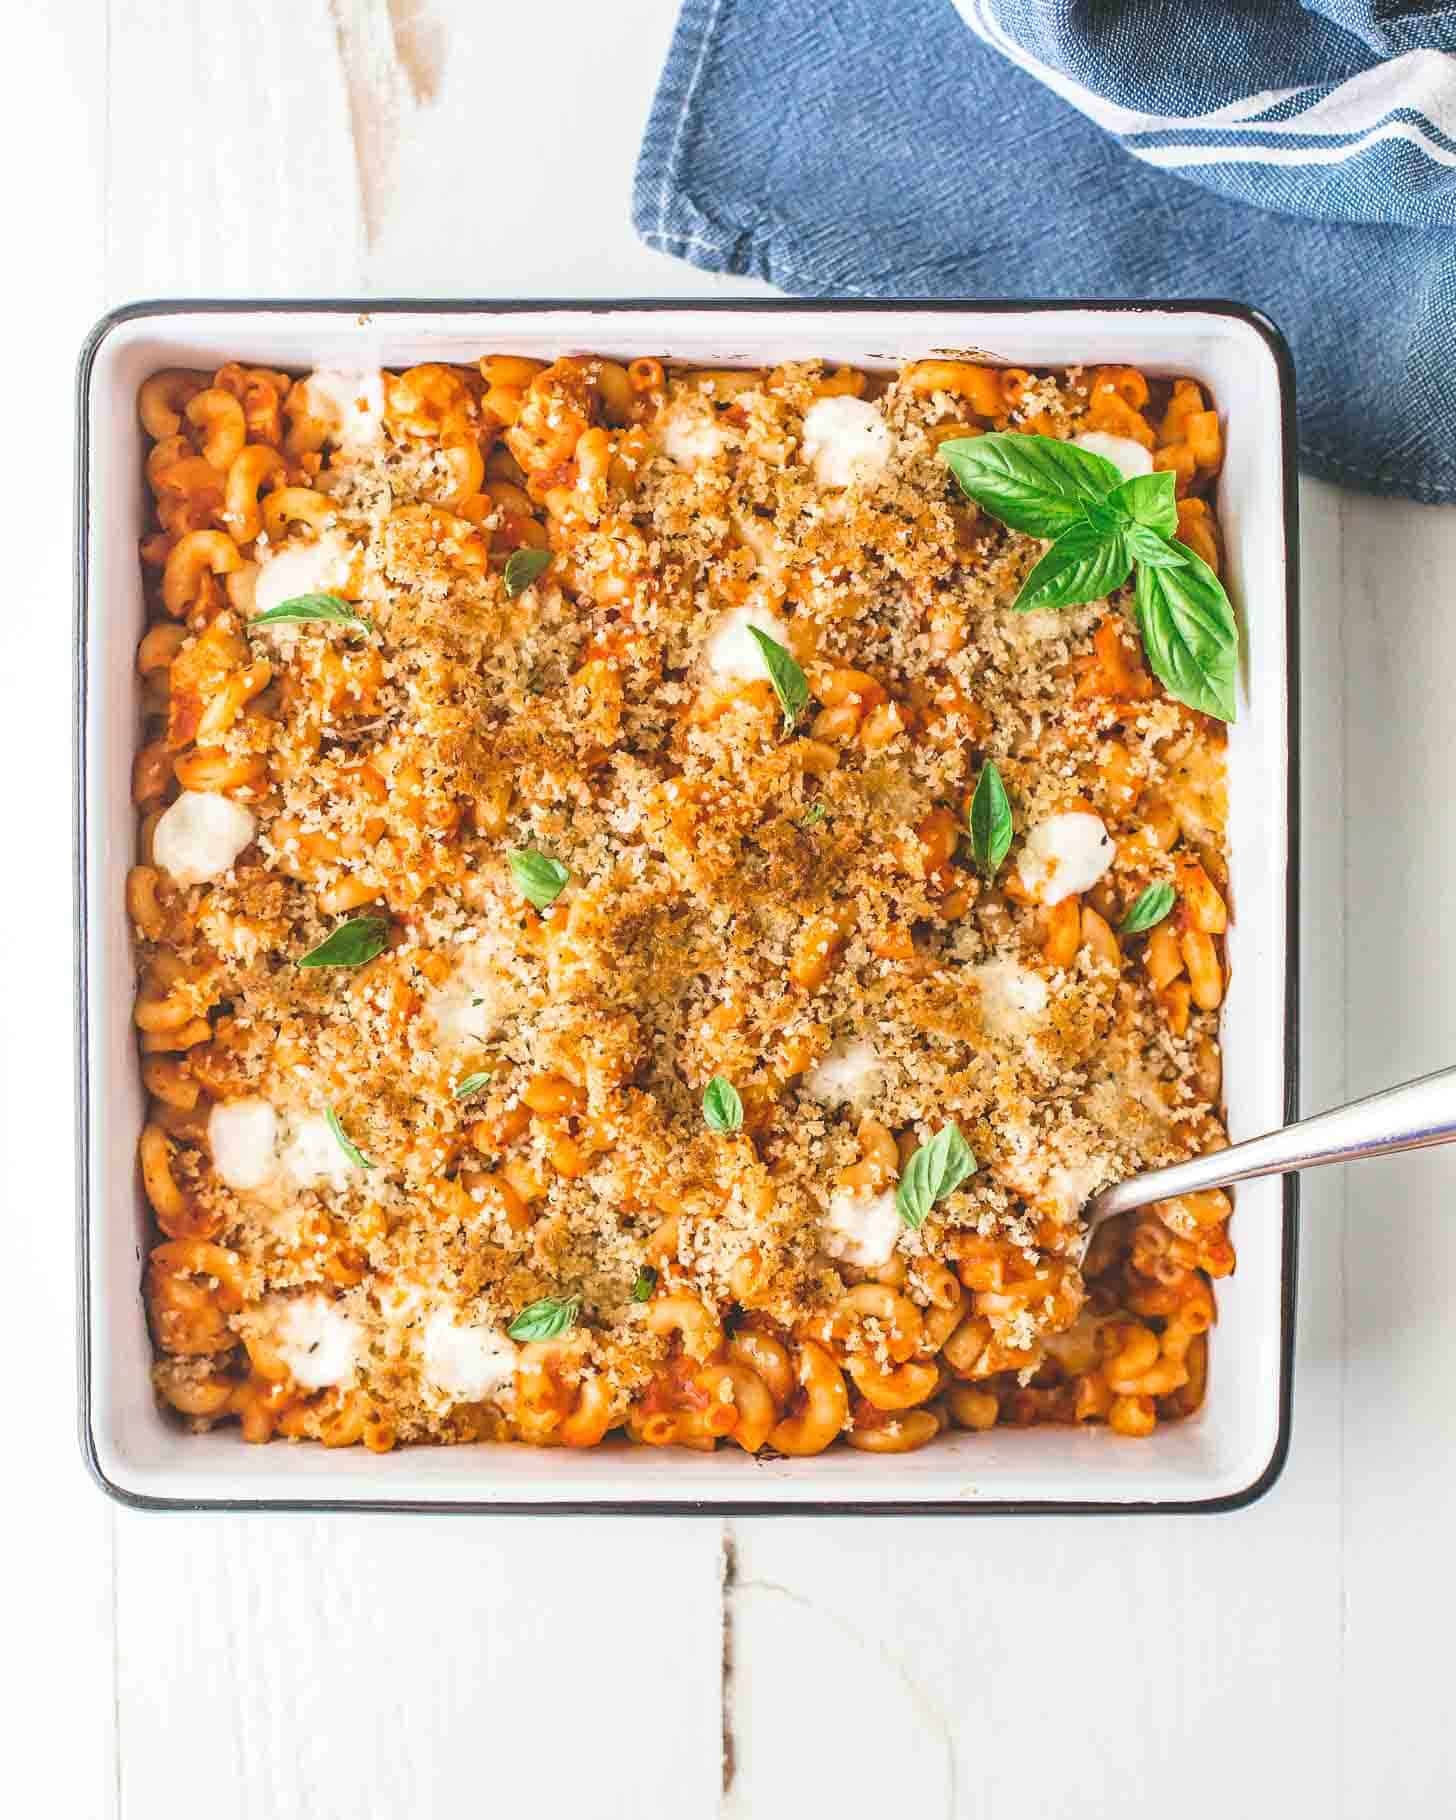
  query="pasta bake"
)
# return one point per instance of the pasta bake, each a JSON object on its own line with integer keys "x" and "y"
{"x": 639, "y": 937}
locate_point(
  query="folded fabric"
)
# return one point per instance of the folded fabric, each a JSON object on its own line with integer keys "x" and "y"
{"x": 1301, "y": 158}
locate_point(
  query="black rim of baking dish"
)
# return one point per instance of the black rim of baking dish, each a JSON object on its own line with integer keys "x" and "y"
{"x": 659, "y": 1507}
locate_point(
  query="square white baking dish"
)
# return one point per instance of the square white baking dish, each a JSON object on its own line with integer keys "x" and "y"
{"x": 1230, "y": 1452}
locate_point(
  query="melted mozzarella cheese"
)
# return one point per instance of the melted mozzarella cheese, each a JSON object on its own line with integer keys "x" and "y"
{"x": 851, "y": 1074}
{"x": 862, "y": 1229}
{"x": 322, "y": 567}
{"x": 201, "y": 835}
{"x": 467, "y": 1363}
{"x": 1128, "y": 457}
{"x": 473, "y": 1000}
{"x": 350, "y": 404}
{"x": 243, "y": 1136}
{"x": 319, "y": 1345}
{"x": 846, "y": 441}
{"x": 400, "y": 1303}
{"x": 1012, "y": 999}
{"x": 1065, "y": 854}
{"x": 733, "y": 654}
{"x": 255, "y": 1150}
{"x": 689, "y": 434}
{"x": 312, "y": 1154}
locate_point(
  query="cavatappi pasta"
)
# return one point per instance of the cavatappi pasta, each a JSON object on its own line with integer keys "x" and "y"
{"x": 426, "y": 1147}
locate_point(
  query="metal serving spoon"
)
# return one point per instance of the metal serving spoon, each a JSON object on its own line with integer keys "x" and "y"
{"x": 1412, "y": 1117}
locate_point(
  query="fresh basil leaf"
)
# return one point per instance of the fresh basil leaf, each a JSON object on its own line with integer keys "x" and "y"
{"x": 351, "y": 944}
{"x": 471, "y": 1084}
{"x": 722, "y": 1108}
{"x": 1083, "y": 564}
{"x": 1148, "y": 499}
{"x": 1190, "y": 634}
{"x": 1151, "y": 547}
{"x": 645, "y": 1284}
{"x": 813, "y": 815}
{"x": 303, "y": 608}
{"x": 790, "y": 684}
{"x": 1032, "y": 483}
{"x": 539, "y": 878}
{"x": 350, "y": 1150}
{"x": 1101, "y": 518}
{"x": 991, "y": 826}
{"x": 1148, "y": 909}
{"x": 543, "y": 1320}
{"x": 934, "y": 1171}
{"x": 524, "y": 567}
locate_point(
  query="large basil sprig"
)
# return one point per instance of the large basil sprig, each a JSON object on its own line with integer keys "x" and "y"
{"x": 1102, "y": 528}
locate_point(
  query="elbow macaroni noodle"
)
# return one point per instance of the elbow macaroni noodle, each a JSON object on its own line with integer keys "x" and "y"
{"x": 502, "y": 1103}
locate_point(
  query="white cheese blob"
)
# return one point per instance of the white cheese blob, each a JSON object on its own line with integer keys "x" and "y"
{"x": 471, "y": 1002}
{"x": 201, "y": 835}
{"x": 459, "y": 1012}
{"x": 1011, "y": 997}
{"x": 851, "y": 1074}
{"x": 689, "y": 435}
{"x": 350, "y": 404}
{"x": 862, "y": 1229}
{"x": 319, "y": 1345}
{"x": 467, "y": 1363}
{"x": 322, "y": 567}
{"x": 312, "y": 1154}
{"x": 733, "y": 654}
{"x": 846, "y": 441}
{"x": 243, "y": 1136}
{"x": 400, "y": 1303}
{"x": 1128, "y": 457}
{"x": 1064, "y": 854}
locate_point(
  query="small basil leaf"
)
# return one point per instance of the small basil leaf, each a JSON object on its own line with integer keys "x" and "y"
{"x": 1032, "y": 483}
{"x": 539, "y": 878}
{"x": 1083, "y": 564}
{"x": 722, "y": 1108}
{"x": 813, "y": 815}
{"x": 934, "y": 1171}
{"x": 350, "y": 1149}
{"x": 303, "y": 608}
{"x": 543, "y": 1320}
{"x": 790, "y": 684}
{"x": 524, "y": 567}
{"x": 471, "y": 1084}
{"x": 1148, "y": 499}
{"x": 991, "y": 825}
{"x": 1154, "y": 550}
{"x": 1149, "y": 909}
{"x": 1190, "y": 634}
{"x": 351, "y": 944}
{"x": 645, "y": 1284}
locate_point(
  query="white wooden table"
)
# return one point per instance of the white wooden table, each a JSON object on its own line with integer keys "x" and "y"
{"x": 1292, "y": 1657}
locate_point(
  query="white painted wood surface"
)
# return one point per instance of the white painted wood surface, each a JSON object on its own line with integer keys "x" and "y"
{"x": 1287, "y": 1658}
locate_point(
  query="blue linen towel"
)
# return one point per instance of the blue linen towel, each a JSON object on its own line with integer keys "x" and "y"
{"x": 1300, "y": 157}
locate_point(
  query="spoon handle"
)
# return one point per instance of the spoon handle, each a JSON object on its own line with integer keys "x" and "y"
{"x": 1411, "y": 1117}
